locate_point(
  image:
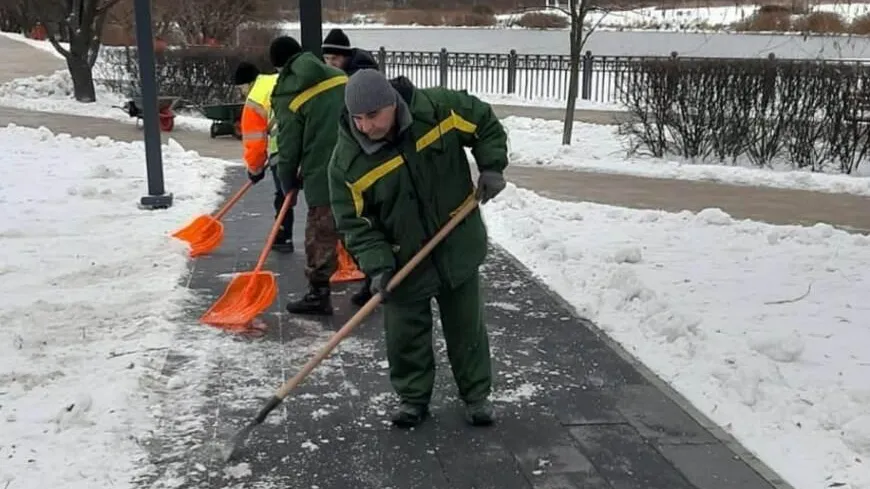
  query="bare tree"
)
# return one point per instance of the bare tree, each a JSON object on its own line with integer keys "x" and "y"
{"x": 576, "y": 12}
{"x": 79, "y": 22}
{"x": 201, "y": 21}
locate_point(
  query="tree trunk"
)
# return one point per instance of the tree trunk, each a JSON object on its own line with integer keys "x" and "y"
{"x": 82, "y": 77}
{"x": 574, "y": 77}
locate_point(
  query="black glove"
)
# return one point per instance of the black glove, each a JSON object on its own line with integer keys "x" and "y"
{"x": 489, "y": 184}
{"x": 379, "y": 283}
{"x": 256, "y": 177}
{"x": 290, "y": 184}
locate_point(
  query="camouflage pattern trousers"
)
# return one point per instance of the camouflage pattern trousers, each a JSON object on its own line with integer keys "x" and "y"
{"x": 321, "y": 239}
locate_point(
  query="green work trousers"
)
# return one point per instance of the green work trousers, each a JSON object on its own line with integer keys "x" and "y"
{"x": 410, "y": 353}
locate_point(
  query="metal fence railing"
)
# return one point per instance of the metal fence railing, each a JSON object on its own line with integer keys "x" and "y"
{"x": 526, "y": 76}
{"x": 603, "y": 79}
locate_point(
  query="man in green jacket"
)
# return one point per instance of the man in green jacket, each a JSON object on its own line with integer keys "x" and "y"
{"x": 398, "y": 173}
{"x": 307, "y": 101}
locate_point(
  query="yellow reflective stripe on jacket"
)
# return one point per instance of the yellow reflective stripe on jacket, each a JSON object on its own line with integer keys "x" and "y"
{"x": 316, "y": 90}
{"x": 358, "y": 187}
{"x": 453, "y": 121}
{"x": 261, "y": 92}
{"x": 256, "y": 107}
{"x": 273, "y": 133}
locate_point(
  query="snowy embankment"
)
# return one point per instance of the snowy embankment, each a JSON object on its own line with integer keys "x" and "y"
{"x": 89, "y": 290}
{"x": 600, "y": 148}
{"x": 763, "y": 328}
{"x": 54, "y": 93}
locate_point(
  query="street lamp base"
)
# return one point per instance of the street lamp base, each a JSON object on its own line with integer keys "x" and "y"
{"x": 152, "y": 202}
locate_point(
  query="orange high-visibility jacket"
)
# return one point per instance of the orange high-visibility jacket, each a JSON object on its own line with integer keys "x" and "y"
{"x": 255, "y": 122}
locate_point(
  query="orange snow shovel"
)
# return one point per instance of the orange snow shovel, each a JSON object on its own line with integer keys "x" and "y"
{"x": 205, "y": 233}
{"x": 241, "y": 437}
{"x": 249, "y": 293}
{"x": 347, "y": 270}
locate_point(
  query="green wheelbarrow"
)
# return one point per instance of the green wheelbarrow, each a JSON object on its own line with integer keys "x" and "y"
{"x": 226, "y": 119}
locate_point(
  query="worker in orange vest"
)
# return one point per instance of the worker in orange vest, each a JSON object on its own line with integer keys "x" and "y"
{"x": 259, "y": 143}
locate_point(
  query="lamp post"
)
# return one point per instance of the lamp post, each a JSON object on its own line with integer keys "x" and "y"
{"x": 311, "y": 18}
{"x": 157, "y": 197}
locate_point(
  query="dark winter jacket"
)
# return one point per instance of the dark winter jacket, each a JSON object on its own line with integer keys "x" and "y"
{"x": 390, "y": 198}
{"x": 307, "y": 101}
{"x": 359, "y": 59}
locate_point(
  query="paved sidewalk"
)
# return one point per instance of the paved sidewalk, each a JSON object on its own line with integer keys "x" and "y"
{"x": 575, "y": 413}
{"x": 20, "y": 60}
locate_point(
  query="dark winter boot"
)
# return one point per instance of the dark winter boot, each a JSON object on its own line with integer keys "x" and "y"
{"x": 479, "y": 413}
{"x": 283, "y": 241}
{"x": 363, "y": 294}
{"x": 410, "y": 415}
{"x": 317, "y": 301}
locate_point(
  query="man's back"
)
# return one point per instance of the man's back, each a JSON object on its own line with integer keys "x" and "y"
{"x": 307, "y": 101}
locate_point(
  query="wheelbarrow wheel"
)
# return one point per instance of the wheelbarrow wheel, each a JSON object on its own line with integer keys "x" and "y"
{"x": 167, "y": 121}
{"x": 212, "y": 131}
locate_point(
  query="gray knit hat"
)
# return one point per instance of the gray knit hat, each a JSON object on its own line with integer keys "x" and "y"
{"x": 367, "y": 91}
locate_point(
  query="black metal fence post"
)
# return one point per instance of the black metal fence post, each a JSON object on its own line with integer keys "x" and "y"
{"x": 586, "y": 76}
{"x": 512, "y": 72}
{"x": 157, "y": 197}
{"x": 443, "y": 67}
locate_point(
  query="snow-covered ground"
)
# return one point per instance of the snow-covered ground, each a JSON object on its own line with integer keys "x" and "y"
{"x": 89, "y": 290}
{"x": 54, "y": 93}
{"x": 600, "y": 148}
{"x": 763, "y": 328}
{"x": 35, "y": 43}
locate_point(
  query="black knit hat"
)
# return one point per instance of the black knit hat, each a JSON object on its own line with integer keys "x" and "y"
{"x": 336, "y": 42}
{"x": 245, "y": 73}
{"x": 282, "y": 49}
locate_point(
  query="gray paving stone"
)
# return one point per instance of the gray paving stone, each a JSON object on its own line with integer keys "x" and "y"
{"x": 656, "y": 416}
{"x": 577, "y": 406}
{"x": 625, "y": 460}
{"x": 579, "y": 480}
{"x": 713, "y": 466}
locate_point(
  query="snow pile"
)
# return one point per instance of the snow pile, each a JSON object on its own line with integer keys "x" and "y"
{"x": 55, "y": 87}
{"x": 763, "y": 328}
{"x": 54, "y": 93}
{"x": 88, "y": 295}
{"x": 600, "y": 148}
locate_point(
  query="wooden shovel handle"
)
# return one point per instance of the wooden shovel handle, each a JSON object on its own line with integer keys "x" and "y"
{"x": 235, "y": 198}
{"x": 288, "y": 199}
{"x": 469, "y": 205}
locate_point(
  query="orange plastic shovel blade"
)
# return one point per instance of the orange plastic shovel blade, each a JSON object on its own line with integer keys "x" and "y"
{"x": 208, "y": 241}
{"x": 247, "y": 295}
{"x": 204, "y": 234}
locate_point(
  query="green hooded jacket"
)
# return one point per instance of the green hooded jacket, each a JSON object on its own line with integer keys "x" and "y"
{"x": 390, "y": 198}
{"x": 307, "y": 100}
